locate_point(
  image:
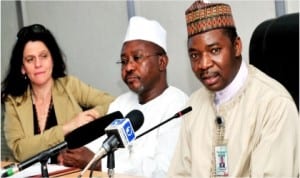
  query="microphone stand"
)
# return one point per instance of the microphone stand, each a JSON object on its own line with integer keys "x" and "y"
{"x": 44, "y": 168}
{"x": 110, "y": 164}
{"x": 43, "y": 160}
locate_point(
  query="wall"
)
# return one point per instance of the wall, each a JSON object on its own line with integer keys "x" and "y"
{"x": 91, "y": 32}
{"x": 8, "y": 10}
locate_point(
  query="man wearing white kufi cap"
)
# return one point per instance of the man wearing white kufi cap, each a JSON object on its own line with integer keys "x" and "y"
{"x": 143, "y": 63}
{"x": 149, "y": 30}
{"x": 144, "y": 69}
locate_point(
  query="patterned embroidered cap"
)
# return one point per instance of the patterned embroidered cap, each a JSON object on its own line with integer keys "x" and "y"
{"x": 202, "y": 17}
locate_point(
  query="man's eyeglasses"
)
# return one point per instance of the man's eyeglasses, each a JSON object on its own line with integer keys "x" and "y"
{"x": 136, "y": 59}
{"x": 36, "y": 28}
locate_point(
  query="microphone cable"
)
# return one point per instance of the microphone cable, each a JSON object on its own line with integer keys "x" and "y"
{"x": 93, "y": 167}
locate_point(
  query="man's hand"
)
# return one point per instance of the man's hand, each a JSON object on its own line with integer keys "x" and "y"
{"x": 78, "y": 157}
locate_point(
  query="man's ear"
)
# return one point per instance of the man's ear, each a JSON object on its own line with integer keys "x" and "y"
{"x": 238, "y": 47}
{"x": 163, "y": 62}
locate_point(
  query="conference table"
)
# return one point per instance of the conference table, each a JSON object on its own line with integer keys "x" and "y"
{"x": 74, "y": 172}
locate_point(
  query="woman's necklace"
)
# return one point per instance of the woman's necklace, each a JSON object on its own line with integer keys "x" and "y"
{"x": 42, "y": 109}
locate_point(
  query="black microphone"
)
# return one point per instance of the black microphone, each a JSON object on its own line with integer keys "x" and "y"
{"x": 75, "y": 139}
{"x": 91, "y": 131}
{"x": 30, "y": 161}
{"x": 136, "y": 118}
{"x": 178, "y": 114}
{"x": 120, "y": 133}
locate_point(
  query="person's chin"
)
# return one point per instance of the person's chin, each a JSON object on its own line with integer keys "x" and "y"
{"x": 136, "y": 89}
{"x": 213, "y": 87}
{"x": 132, "y": 87}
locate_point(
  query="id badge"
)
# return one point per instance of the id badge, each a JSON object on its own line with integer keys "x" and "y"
{"x": 221, "y": 156}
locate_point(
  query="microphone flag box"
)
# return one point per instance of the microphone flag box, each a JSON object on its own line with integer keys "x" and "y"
{"x": 123, "y": 129}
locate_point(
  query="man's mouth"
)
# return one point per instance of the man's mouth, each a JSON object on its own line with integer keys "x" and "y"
{"x": 209, "y": 78}
{"x": 131, "y": 78}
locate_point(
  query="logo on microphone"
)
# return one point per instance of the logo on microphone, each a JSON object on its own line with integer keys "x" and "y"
{"x": 123, "y": 129}
{"x": 127, "y": 127}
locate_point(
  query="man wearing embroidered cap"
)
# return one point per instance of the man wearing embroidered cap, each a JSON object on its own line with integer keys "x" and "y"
{"x": 143, "y": 63}
{"x": 243, "y": 123}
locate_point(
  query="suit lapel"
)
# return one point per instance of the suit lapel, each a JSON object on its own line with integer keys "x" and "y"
{"x": 25, "y": 112}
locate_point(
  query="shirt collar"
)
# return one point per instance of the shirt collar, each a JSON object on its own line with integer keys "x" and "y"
{"x": 228, "y": 92}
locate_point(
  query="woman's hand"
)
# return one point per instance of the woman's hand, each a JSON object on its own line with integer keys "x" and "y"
{"x": 80, "y": 119}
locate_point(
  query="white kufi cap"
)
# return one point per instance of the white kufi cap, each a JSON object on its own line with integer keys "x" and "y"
{"x": 140, "y": 28}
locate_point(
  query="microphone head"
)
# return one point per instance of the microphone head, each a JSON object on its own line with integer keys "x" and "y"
{"x": 91, "y": 131}
{"x": 136, "y": 118}
{"x": 123, "y": 129}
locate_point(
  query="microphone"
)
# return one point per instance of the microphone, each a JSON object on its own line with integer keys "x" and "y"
{"x": 74, "y": 139}
{"x": 90, "y": 131}
{"x": 12, "y": 169}
{"x": 120, "y": 133}
{"x": 178, "y": 114}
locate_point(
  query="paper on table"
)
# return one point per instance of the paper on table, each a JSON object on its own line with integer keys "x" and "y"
{"x": 35, "y": 170}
